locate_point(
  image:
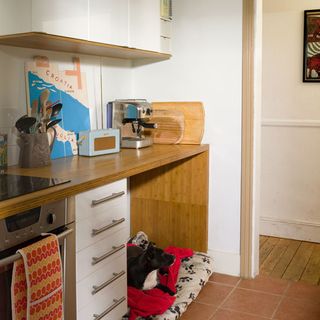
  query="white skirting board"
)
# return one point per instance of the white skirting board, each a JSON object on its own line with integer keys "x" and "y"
{"x": 291, "y": 229}
{"x": 225, "y": 262}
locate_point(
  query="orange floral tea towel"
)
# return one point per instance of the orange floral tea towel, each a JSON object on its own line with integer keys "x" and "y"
{"x": 36, "y": 289}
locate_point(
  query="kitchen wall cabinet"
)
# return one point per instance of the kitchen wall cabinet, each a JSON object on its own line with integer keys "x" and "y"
{"x": 65, "y": 18}
{"x": 15, "y": 16}
{"x": 102, "y": 229}
{"x": 165, "y": 35}
{"x": 127, "y": 29}
{"x": 144, "y": 26}
{"x": 108, "y": 21}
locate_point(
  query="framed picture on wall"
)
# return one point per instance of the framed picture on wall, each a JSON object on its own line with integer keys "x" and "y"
{"x": 311, "y": 52}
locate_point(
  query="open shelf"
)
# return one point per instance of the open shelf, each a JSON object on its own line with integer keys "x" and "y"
{"x": 45, "y": 41}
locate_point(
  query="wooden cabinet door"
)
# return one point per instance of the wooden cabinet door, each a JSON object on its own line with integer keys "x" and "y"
{"x": 60, "y": 17}
{"x": 108, "y": 21}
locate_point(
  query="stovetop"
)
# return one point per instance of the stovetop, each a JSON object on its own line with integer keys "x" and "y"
{"x": 15, "y": 185}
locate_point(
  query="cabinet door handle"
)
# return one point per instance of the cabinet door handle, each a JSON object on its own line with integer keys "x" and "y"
{"x": 109, "y": 226}
{"x": 104, "y": 313}
{"x": 116, "y": 276}
{"x": 96, "y": 260}
{"x": 105, "y": 199}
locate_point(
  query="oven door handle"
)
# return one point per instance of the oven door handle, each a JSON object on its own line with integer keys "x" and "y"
{"x": 6, "y": 261}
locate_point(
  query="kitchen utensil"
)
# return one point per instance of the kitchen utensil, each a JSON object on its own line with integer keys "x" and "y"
{"x": 170, "y": 126}
{"x": 52, "y": 104}
{"x": 24, "y": 116}
{"x": 34, "y": 108}
{"x": 43, "y": 102}
{"x": 52, "y": 123}
{"x": 55, "y": 109}
{"x": 52, "y": 134}
{"x": 193, "y": 119}
{"x": 24, "y": 124}
{"x": 37, "y": 127}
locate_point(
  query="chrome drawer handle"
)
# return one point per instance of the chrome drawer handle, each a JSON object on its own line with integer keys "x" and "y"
{"x": 109, "y": 226}
{"x": 105, "y": 199}
{"x": 96, "y": 260}
{"x": 116, "y": 276}
{"x": 104, "y": 313}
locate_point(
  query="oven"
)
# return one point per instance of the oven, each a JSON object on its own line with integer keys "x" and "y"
{"x": 24, "y": 228}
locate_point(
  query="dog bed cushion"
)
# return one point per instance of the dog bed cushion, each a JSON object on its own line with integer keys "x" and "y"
{"x": 194, "y": 273}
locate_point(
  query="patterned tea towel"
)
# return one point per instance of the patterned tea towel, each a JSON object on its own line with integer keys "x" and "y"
{"x": 36, "y": 289}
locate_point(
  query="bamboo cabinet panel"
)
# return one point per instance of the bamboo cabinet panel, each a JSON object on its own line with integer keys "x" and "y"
{"x": 170, "y": 203}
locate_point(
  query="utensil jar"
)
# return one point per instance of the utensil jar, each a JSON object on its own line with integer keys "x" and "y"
{"x": 34, "y": 150}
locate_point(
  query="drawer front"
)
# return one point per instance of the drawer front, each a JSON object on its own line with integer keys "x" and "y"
{"x": 109, "y": 305}
{"x": 100, "y": 226}
{"x": 98, "y": 255}
{"x": 101, "y": 282}
{"x": 93, "y": 202}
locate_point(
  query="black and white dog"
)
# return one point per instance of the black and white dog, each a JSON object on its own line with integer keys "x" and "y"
{"x": 143, "y": 267}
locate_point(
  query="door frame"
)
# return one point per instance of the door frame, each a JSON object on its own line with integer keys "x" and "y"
{"x": 249, "y": 234}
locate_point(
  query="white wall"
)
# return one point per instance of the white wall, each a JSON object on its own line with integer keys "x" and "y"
{"x": 290, "y": 175}
{"x": 206, "y": 66}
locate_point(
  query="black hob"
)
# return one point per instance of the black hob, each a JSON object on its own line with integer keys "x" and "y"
{"x": 15, "y": 185}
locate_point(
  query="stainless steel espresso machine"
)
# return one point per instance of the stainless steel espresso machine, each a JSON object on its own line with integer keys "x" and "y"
{"x": 131, "y": 117}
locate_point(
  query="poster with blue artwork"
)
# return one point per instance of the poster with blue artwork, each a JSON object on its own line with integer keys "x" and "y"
{"x": 54, "y": 94}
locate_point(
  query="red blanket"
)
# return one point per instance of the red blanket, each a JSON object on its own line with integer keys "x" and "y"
{"x": 155, "y": 301}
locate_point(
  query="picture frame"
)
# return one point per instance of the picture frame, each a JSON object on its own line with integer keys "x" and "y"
{"x": 311, "y": 48}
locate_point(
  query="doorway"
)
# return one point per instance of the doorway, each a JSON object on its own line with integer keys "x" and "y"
{"x": 295, "y": 134}
{"x": 290, "y": 136}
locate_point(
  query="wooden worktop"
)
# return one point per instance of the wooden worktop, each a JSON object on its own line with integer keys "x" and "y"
{"x": 91, "y": 172}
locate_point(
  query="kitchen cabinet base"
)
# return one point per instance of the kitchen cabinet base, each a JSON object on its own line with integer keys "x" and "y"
{"x": 170, "y": 203}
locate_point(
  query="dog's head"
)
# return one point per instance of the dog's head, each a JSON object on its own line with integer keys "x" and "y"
{"x": 143, "y": 265}
{"x": 156, "y": 258}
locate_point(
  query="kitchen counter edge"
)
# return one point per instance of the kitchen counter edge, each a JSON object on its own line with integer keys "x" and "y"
{"x": 88, "y": 173}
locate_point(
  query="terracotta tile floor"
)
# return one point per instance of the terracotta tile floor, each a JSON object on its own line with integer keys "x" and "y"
{"x": 231, "y": 298}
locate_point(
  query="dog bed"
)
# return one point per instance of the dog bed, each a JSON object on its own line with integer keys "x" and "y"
{"x": 194, "y": 273}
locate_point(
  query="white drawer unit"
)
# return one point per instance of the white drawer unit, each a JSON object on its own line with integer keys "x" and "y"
{"x": 93, "y": 231}
{"x": 101, "y": 282}
{"x": 90, "y": 259}
{"x": 101, "y": 225}
{"x": 102, "y": 230}
{"x": 107, "y": 306}
{"x": 93, "y": 202}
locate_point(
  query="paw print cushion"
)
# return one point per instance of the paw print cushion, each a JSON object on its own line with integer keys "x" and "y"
{"x": 194, "y": 273}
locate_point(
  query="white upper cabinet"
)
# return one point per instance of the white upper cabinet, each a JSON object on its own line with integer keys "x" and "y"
{"x": 15, "y": 16}
{"x": 144, "y": 24}
{"x": 108, "y": 21}
{"x": 125, "y": 23}
{"x": 60, "y": 17}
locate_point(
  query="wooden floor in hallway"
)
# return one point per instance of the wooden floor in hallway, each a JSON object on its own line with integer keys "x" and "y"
{"x": 290, "y": 259}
